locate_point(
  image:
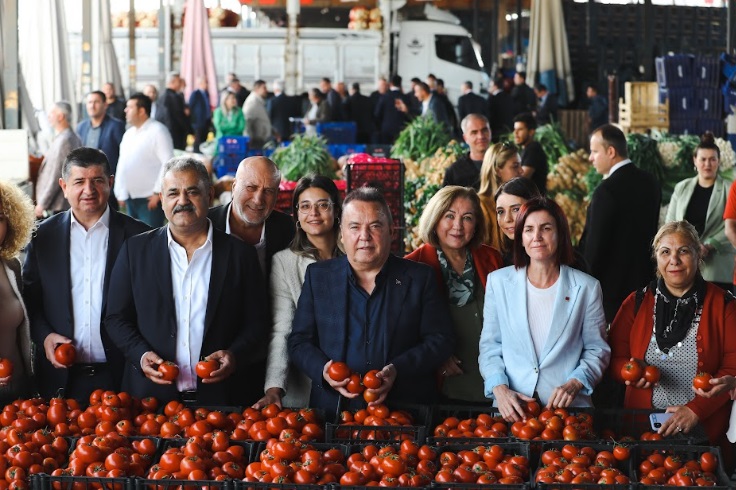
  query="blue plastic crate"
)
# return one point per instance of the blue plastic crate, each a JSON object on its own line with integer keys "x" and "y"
{"x": 682, "y": 103}
{"x": 706, "y": 71}
{"x": 338, "y": 133}
{"x": 678, "y": 70}
{"x": 709, "y": 102}
{"x": 340, "y": 150}
{"x": 233, "y": 145}
{"x": 715, "y": 126}
{"x": 225, "y": 165}
{"x": 659, "y": 68}
{"x": 683, "y": 126}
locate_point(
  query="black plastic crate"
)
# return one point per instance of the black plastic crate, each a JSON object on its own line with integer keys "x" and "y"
{"x": 251, "y": 448}
{"x": 626, "y": 467}
{"x": 349, "y": 433}
{"x": 709, "y": 102}
{"x": 244, "y": 485}
{"x": 634, "y": 423}
{"x": 686, "y": 453}
{"x": 41, "y": 481}
{"x": 512, "y": 448}
{"x": 173, "y": 484}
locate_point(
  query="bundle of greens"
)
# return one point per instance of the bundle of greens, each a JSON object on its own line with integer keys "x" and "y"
{"x": 420, "y": 139}
{"x": 304, "y": 155}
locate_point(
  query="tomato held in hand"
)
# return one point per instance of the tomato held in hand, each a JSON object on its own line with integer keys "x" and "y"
{"x": 355, "y": 384}
{"x": 632, "y": 371}
{"x": 652, "y": 374}
{"x": 339, "y": 371}
{"x": 371, "y": 381}
{"x": 65, "y": 354}
{"x": 6, "y": 367}
{"x": 169, "y": 371}
{"x": 205, "y": 368}
{"x": 702, "y": 381}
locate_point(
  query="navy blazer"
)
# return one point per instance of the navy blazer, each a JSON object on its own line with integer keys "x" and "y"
{"x": 389, "y": 119}
{"x": 141, "y": 315}
{"x": 419, "y": 335}
{"x": 48, "y": 287}
{"x": 199, "y": 108}
{"x": 111, "y": 134}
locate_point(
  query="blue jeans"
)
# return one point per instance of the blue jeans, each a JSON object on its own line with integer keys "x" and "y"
{"x": 138, "y": 209}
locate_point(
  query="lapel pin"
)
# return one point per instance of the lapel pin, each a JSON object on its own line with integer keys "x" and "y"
{"x": 567, "y": 298}
{"x": 398, "y": 283}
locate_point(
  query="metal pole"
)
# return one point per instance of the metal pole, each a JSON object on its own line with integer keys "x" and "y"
{"x": 163, "y": 13}
{"x": 291, "y": 58}
{"x": 518, "y": 48}
{"x": 131, "y": 47}
{"x": 9, "y": 32}
{"x": 495, "y": 13}
{"x": 87, "y": 50}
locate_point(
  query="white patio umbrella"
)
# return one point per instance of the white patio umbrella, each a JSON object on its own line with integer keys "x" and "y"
{"x": 197, "y": 58}
{"x": 548, "y": 59}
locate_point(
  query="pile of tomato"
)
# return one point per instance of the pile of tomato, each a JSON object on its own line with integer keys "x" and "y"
{"x": 375, "y": 422}
{"x": 211, "y": 457}
{"x": 666, "y": 468}
{"x": 583, "y": 465}
{"x": 357, "y": 384}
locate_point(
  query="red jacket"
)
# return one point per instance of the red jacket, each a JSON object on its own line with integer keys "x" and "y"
{"x": 485, "y": 259}
{"x": 716, "y": 344}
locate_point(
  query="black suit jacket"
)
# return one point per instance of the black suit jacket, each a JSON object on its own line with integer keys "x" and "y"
{"x": 548, "y": 110}
{"x": 525, "y": 100}
{"x": 141, "y": 314}
{"x": 357, "y": 108}
{"x": 47, "y": 290}
{"x": 417, "y": 323}
{"x": 471, "y": 103}
{"x": 176, "y": 120}
{"x": 280, "y": 108}
{"x": 500, "y": 114}
{"x": 621, "y": 222}
{"x": 389, "y": 119}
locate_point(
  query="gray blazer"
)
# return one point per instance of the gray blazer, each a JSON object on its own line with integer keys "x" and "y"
{"x": 718, "y": 266}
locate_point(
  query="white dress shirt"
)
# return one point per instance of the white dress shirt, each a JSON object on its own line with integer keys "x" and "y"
{"x": 617, "y": 166}
{"x": 190, "y": 281}
{"x": 260, "y": 246}
{"x": 143, "y": 152}
{"x": 88, "y": 258}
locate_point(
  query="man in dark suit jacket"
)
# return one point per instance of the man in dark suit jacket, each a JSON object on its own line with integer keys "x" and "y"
{"x": 333, "y": 100}
{"x": 389, "y": 118}
{"x": 470, "y": 102}
{"x": 621, "y": 222}
{"x": 547, "y": 111}
{"x": 103, "y": 132}
{"x": 200, "y": 112}
{"x": 357, "y": 107}
{"x": 523, "y": 95}
{"x": 251, "y": 218}
{"x": 186, "y": 291}
{"x": 176, "y": 118}
{"x": 500, "y": 110}
{"x": 371, "y": 310}
{"x": 280, "y": 108}
{"x": 66, "y": 296}
{"x": 432, "y": 106}
{"x": 158, "y": 111}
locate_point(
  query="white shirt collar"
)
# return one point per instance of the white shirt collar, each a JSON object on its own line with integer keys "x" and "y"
{"x": 103, "y": 221}
{"x": 260, "y": 243}
{"x": 172, "y": 242}
{"x": 618, "y": 166}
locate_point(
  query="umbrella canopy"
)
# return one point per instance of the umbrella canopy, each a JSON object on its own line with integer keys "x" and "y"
{"x": 548, "y": 59}
{"x": 196, "y": 52}
{"x": 104, "y": 61}
{"x": 44, "y": 53}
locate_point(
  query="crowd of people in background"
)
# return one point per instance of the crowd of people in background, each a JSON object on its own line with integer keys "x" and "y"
{"x": 133, "y": 265}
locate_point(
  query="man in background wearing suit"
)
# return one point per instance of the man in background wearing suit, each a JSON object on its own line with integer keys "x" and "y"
{"x": 158, "y": 112}
{"x": 500, "y": 110}
{"x": 67, "y": 276}
{"x": 357, "y": 107}
{"x": 432, "y": 106}
{"x": 371, "y": 310}
{"x": 200, "y": 112}
{"x": 186, "y": 291}
{"x": 177, "y": 120}
{"x": 251, "y": 218}
{"x": 621, "y": 222}
{"x": 470, "y": 102}
{"x": 547, "y": 111}
{"x": 280, "y": 109}
{"x": 389, "y": 118}
{"x": 103, "y": 132}
{"x": 333, "y": 100}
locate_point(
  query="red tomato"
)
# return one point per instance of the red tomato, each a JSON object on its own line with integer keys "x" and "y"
{"x": 205, "y": 368}
{"x": 702, "y": 381}
{"x": 370, "y": 396}
{"x": 339, "y": 371}
{"x": 708, "y": 462}
{"x": 652, "y": 374}
{"x": 371, "y": 381}
{"x": 6, "y": 367}
{"x": 355, "y": 385}
{"x": 65, "y": 354}
{"x": 169, "y": 371}
{"x": 632, "y": 371}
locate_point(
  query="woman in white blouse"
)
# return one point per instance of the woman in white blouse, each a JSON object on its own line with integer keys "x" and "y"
{"x": 316, "y": 210}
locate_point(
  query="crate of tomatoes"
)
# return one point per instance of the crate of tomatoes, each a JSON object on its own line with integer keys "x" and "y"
{"x": 677, "y": 465}
{"x": 498, "y": 465}
{"x": 636, "y": 425}
{"x": 380, "y": 423}
{"x": 585, "y": 465}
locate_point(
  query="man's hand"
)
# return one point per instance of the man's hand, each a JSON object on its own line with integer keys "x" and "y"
{"x": 338, "y": 386}
{"x": 153, "y": 202}
{"x": 149, "y": 365}
{"x": 227, "y": 366}
{"x": 388, "y": 378}
{"x": 273, "y": 395}
{"x": 565, "y": 394}
{"x": 50, "y": 343}
{"x": 401, "y": 106}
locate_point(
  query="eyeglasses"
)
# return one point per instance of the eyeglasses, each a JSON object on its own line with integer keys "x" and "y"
{"x": 306, "y": 207}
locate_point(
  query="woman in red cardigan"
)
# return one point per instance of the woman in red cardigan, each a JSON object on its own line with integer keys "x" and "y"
{"x": 683, "y": 325}
{"x": 452, "y": 229}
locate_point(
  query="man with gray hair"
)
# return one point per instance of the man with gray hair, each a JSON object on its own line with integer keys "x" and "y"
{"x": 206, "y": 301}
{"x": 280, "y": 109}
{"x": 257, "y": 122}
{"x": 176, "y": 118}
{"x": 49, "y": 196}
{"x": 465, "y": 171}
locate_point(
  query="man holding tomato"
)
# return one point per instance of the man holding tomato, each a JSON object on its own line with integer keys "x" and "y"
{"x": 186, "y": 292}
{"x": 372, "y": 311}
{"x": 66, "y": 309}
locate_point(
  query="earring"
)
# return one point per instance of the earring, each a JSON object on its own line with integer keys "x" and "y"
{"x": 298, "y": 225}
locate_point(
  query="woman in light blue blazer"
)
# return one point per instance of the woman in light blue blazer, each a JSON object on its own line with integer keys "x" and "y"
{"x": 701, "y": 200}
{"x": 544, "y": 329}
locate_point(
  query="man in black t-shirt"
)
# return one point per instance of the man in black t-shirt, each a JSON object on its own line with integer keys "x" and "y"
{"x": 533, "y": 158}
{"x": 466, "y": 170}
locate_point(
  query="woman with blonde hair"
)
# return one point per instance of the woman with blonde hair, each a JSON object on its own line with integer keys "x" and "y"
{"x": 17, "y": 222}
{"x": 501, "y": 163}
{"x": 228, "y": 118}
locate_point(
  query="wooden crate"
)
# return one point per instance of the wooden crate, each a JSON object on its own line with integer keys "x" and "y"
{"x": 574, "y": 124}
{"x": 640, "y": 109}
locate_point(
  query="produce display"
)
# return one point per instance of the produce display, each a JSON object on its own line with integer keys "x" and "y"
{"x": 584, "y": 464}
{"x": 691, "y": 466}
{"x": 305, "y": 154}
{"x": 374, "y": 423}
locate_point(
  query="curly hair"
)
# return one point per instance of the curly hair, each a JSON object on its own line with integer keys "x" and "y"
{"x": 18, "y": 210}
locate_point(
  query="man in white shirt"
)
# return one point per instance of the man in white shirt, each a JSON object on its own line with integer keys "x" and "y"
{"x": 146, "y": 146}
{"x": 183, "y": 292}
{"x": 68, "y": 307}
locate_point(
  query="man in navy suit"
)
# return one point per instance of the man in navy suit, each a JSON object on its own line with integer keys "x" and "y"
{"x": 103, "y": 132}
{"x": 67, "y": 276}
{"x": 547, "y": 111}
{"x": 371, "y": 310}
{"x": 389, "y": 118}
{"x": 185, "y": 291}
{"x": 470, "y": 102}
{"x": 200, "y": 112}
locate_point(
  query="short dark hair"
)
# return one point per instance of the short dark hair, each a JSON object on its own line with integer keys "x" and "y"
{"x": 591, "y": 85}
{"x": 440, "y": 83}
{"x": 527, "y": 119}
{"x": 318, "y": 93}
{"x": 415, "y": 80}
{"x": 301, "y": 244}
{"x": 142, "y": 101}
{"x": 565, "y": 254}
{"x": 540, "y": 87}
{"x": 258, "y": 84}
{"x": 368, "y": 194}
{"x": 85, "y": 157}
{"x": 396, "y": 80}
{"x": 327, "y": 80}
{"x": 356, "y": 86}
{"x": 469, "y": 84}
{"x": 613, "y": 137}
{"x": 522, "y": 74}
{"x": 100, "y": 93}
{"x": 424, "y": 87}
{"x": 431, "y": 75}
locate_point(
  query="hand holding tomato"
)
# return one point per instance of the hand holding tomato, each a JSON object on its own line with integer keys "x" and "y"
{"x": 717, "y": 386}
{"x": 387, "y": 376}
{"x": 226, "y": 363}
{"x": 634, "y": 374}
{"x": 272, "y": 396}
{"x": 50, "y": 343}
{"x": 339, "y": 386}
{"x": 6, "y": 371}
{"x": 169, "y": 371}
{"x": 150, "y": 362}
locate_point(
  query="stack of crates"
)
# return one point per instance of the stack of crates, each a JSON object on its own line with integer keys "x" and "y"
{"x": 231, "y": 150}
{"x": 338, "y": 133}
{"x": 640, "y": 110}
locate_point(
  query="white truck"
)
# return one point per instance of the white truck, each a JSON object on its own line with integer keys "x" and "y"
{"x": 437, "y": 44}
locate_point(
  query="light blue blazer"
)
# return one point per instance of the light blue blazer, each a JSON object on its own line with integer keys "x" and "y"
{"x": 576, "y": 346}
